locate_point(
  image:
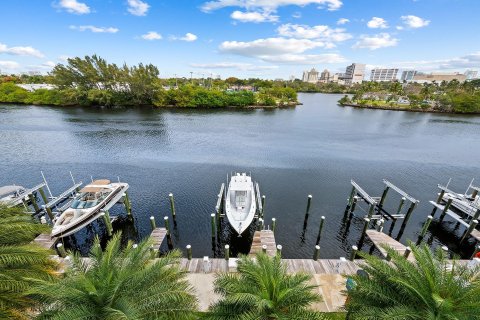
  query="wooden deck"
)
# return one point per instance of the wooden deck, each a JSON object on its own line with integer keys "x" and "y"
{"x": 158, "y": 235}
{"x": 264, "y": 237}
{"x": 379, "y": 239}
{"x": 475, "y": 233}
{"x": 45, "y": 241}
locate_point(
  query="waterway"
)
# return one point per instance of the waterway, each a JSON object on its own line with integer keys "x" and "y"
{"x": 315, "y": 148}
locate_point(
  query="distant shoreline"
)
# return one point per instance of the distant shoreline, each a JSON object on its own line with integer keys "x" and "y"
{"x": 353, "y": 105}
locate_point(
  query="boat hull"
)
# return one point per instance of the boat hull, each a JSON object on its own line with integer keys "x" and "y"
{"x": 240, "y": 216}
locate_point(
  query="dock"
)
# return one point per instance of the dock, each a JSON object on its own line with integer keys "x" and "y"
{"x": 380, "y": 239}
{"x": 261, "y": 238}
{"x": 475, "y": 233}
{"x": 158, "y": 235}
{"x": 44, "y": 240}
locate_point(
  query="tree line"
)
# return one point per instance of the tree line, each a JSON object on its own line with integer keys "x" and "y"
{"x": 92, "y": 81}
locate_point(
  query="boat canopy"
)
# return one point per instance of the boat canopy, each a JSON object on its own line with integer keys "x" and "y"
{"x": 7, "y": 190}
{"x": 96, "y": 186}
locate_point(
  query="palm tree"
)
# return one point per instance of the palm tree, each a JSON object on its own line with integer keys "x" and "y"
{"x": 119, "y": 283}
{"x": 20, "y": 261}
{"x": 427, "y": 287}
{"x": 262, "y": 289}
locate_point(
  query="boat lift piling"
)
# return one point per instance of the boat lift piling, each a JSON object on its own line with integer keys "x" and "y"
{"x": 307, "y": 211}
{"x": 172, "y": 208}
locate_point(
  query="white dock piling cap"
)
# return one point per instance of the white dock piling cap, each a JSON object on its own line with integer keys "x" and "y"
{"x": 59, "y": 245}
{"x": 354, "y": 248}
{"x": 323, "y": 218}
{"x": 264, "y": 246}
{"x": 135, "y": 246}
{"x": 170, "y": 194}
{"x": 152, "y": 218}
{"x": 403, "y": 198}
{"x": 102, "y": 214}
{"x": 279, "y": 246}
{"x": 189, "y": 246}
{"x": 317, "y": 247}
{"x": 165, "y": 218}
{"x": 430, "y": 217}
{"x": 212, "y": 215}
{"x": 263, "y": 196}
{"x": 273, "y": 219}
{"x": 310, "y": 196}
{"x": 444, "y": 248}
{"x": 227, "y": 246}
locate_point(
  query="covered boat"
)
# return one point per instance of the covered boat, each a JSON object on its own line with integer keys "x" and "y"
{"x": 9, "y": 194}
{"x": 88, "y": 205}
{"x": 240, "y": 204}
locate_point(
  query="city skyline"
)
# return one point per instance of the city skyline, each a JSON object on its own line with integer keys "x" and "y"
{"x": 254, "y": 38}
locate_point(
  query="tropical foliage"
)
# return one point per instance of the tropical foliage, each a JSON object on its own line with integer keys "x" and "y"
{"x": 92, "y": 81}
{"x": 427, "y": 287}
{"x": 262, "y": 289}
{"x": 119, "y": 283}
{"x": 21, "y": 263}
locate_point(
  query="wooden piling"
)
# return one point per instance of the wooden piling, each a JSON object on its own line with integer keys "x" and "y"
{"x": 477, "y": 250}
{"x": 400, "y": 205}
{"x": 380, "y": 224}
{"x": 274, "y": 224}
{"x": 279, "y": 250}
{"x": 32, "y": 199}
{"x": 424, "y": 229}
{"x": 471, "y": 227}
{"x": 108, "y": 225}
{"x": 309, "y": 202}
{"x": 263, "y": 206}
{"x": 213, "y": 223}
{"x": 167, "y": 225}
{"x": 407, "y": 252}
{"x": 384, "y": 195}
{"x": 264, "y": 248}
{"x": 440, "y": 196}
{"x": 371, "y": 210}
{"x": 353, "y": 253}
{"x": 322, "y": 221}
{"x": 366, "y": 221}
{"x": 172, "y": 206}
{"x": 350, "y": 198}
{"x": 127, "y": 204}
{"x": 408, "y": 214}
{"x": 260, "y": 224}
{"x": 227, "y": 252}
{"x": 354, "y": 204}
{"x": 189, "y": 252}
{"x": 152, "y": 223}
{"x": 316, "y": 254}
{"x": 61, "y": 250}
{"x": 445, "y": 209}
{"x": 44, "y": 197}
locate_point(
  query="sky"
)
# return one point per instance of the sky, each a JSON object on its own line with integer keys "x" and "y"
{"x": 242, "y": 38}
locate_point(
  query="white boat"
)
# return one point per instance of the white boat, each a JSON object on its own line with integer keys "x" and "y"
{"x": 240, "y": 204}
{"x": 9, "y": 194}
{"x": 88, "y": 205}
{"x": 465, "y": 204}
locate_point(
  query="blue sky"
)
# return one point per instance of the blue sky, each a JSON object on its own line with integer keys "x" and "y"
{"x": 243, "y": 38}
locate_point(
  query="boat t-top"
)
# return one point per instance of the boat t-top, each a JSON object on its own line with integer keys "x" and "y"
{"x": 88, "y": 205}
{"x": 240, "y": 204}
{"x": 468, "y": 203}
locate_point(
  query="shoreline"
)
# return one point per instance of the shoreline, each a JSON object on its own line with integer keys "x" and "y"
{"x": 353, "y": 105}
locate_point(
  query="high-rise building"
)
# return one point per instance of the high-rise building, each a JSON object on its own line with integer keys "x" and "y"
{"x": 325, "y": 76}
{"x": 438, "y": 77}
{"x": 354, "y": 73}
{"x": 310, "y": 76}
{"x": 383, "y": 75}
{"x": 408, "y": 75}
{"x": 471, "y": 74}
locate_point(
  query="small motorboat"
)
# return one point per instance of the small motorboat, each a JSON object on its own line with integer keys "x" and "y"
{"x": 10, "y": 194}
{"x": 240, "y": 204}
{"x": 88, "y": 205}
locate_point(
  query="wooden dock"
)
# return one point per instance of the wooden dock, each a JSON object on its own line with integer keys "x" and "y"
{"x": 44, "y": 240}
{"x": 264, "y": 237}
{"x": 380, "y": 239}
{"x": 158, "y": 235}
{"x": 475, "y": 233}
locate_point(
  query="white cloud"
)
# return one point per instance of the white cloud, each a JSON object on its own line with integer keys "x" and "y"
{"x": 20, "y": 51}
{"x": 232, "y": 65}
{"x": 268, "y": 5}
{"x": 64, "y": 58}
{"x": 95, "y": 29}
{"x": 49, "y": 64}
{"x": 377, "y": 23}
{"x": 414, "y": 22}
{"x": 463, "y": 62}
{"x": 297, "y": 15}
{"x": 308, "y": 59}
{"x": 73, "y": 6}
{"x": 138, "y": 7}
{"x": 269, "y": 46}
{"x": 152, "y": 35}
{"x": 253, "y": 16}
{"x": 324, "y": 33}
{"x": 374, "y": 42}
{"x": 9, "y": 65}
{"x": 343, "y": 21}
{"x": 188, "y": 37}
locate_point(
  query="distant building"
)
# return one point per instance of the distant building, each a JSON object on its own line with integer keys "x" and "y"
{"x": 438, "y": 77}
{"x": 325, "y": 76}
{"x": 355, "y": 73}
{"x": 471, "y": 74}
{"x": 310, "y": 76}
{"x": 408, "y": 75}
{"x": 383, "y": 75}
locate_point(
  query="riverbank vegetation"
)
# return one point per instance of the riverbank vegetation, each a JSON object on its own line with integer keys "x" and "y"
{"x": 453, "y": 96}
{"x": 92, "y": 81}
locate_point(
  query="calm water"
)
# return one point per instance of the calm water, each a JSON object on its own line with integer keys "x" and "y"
{"x": 312, "y": 149}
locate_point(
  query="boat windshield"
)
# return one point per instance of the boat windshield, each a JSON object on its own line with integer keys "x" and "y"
{"x": 89, "y": 199}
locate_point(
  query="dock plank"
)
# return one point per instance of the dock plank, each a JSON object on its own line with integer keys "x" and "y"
{"x": 264, "y": 237}
{"x": 45, "y": 241}
{"x": 379, "y": 239}
{"x": 158, "y": 235}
